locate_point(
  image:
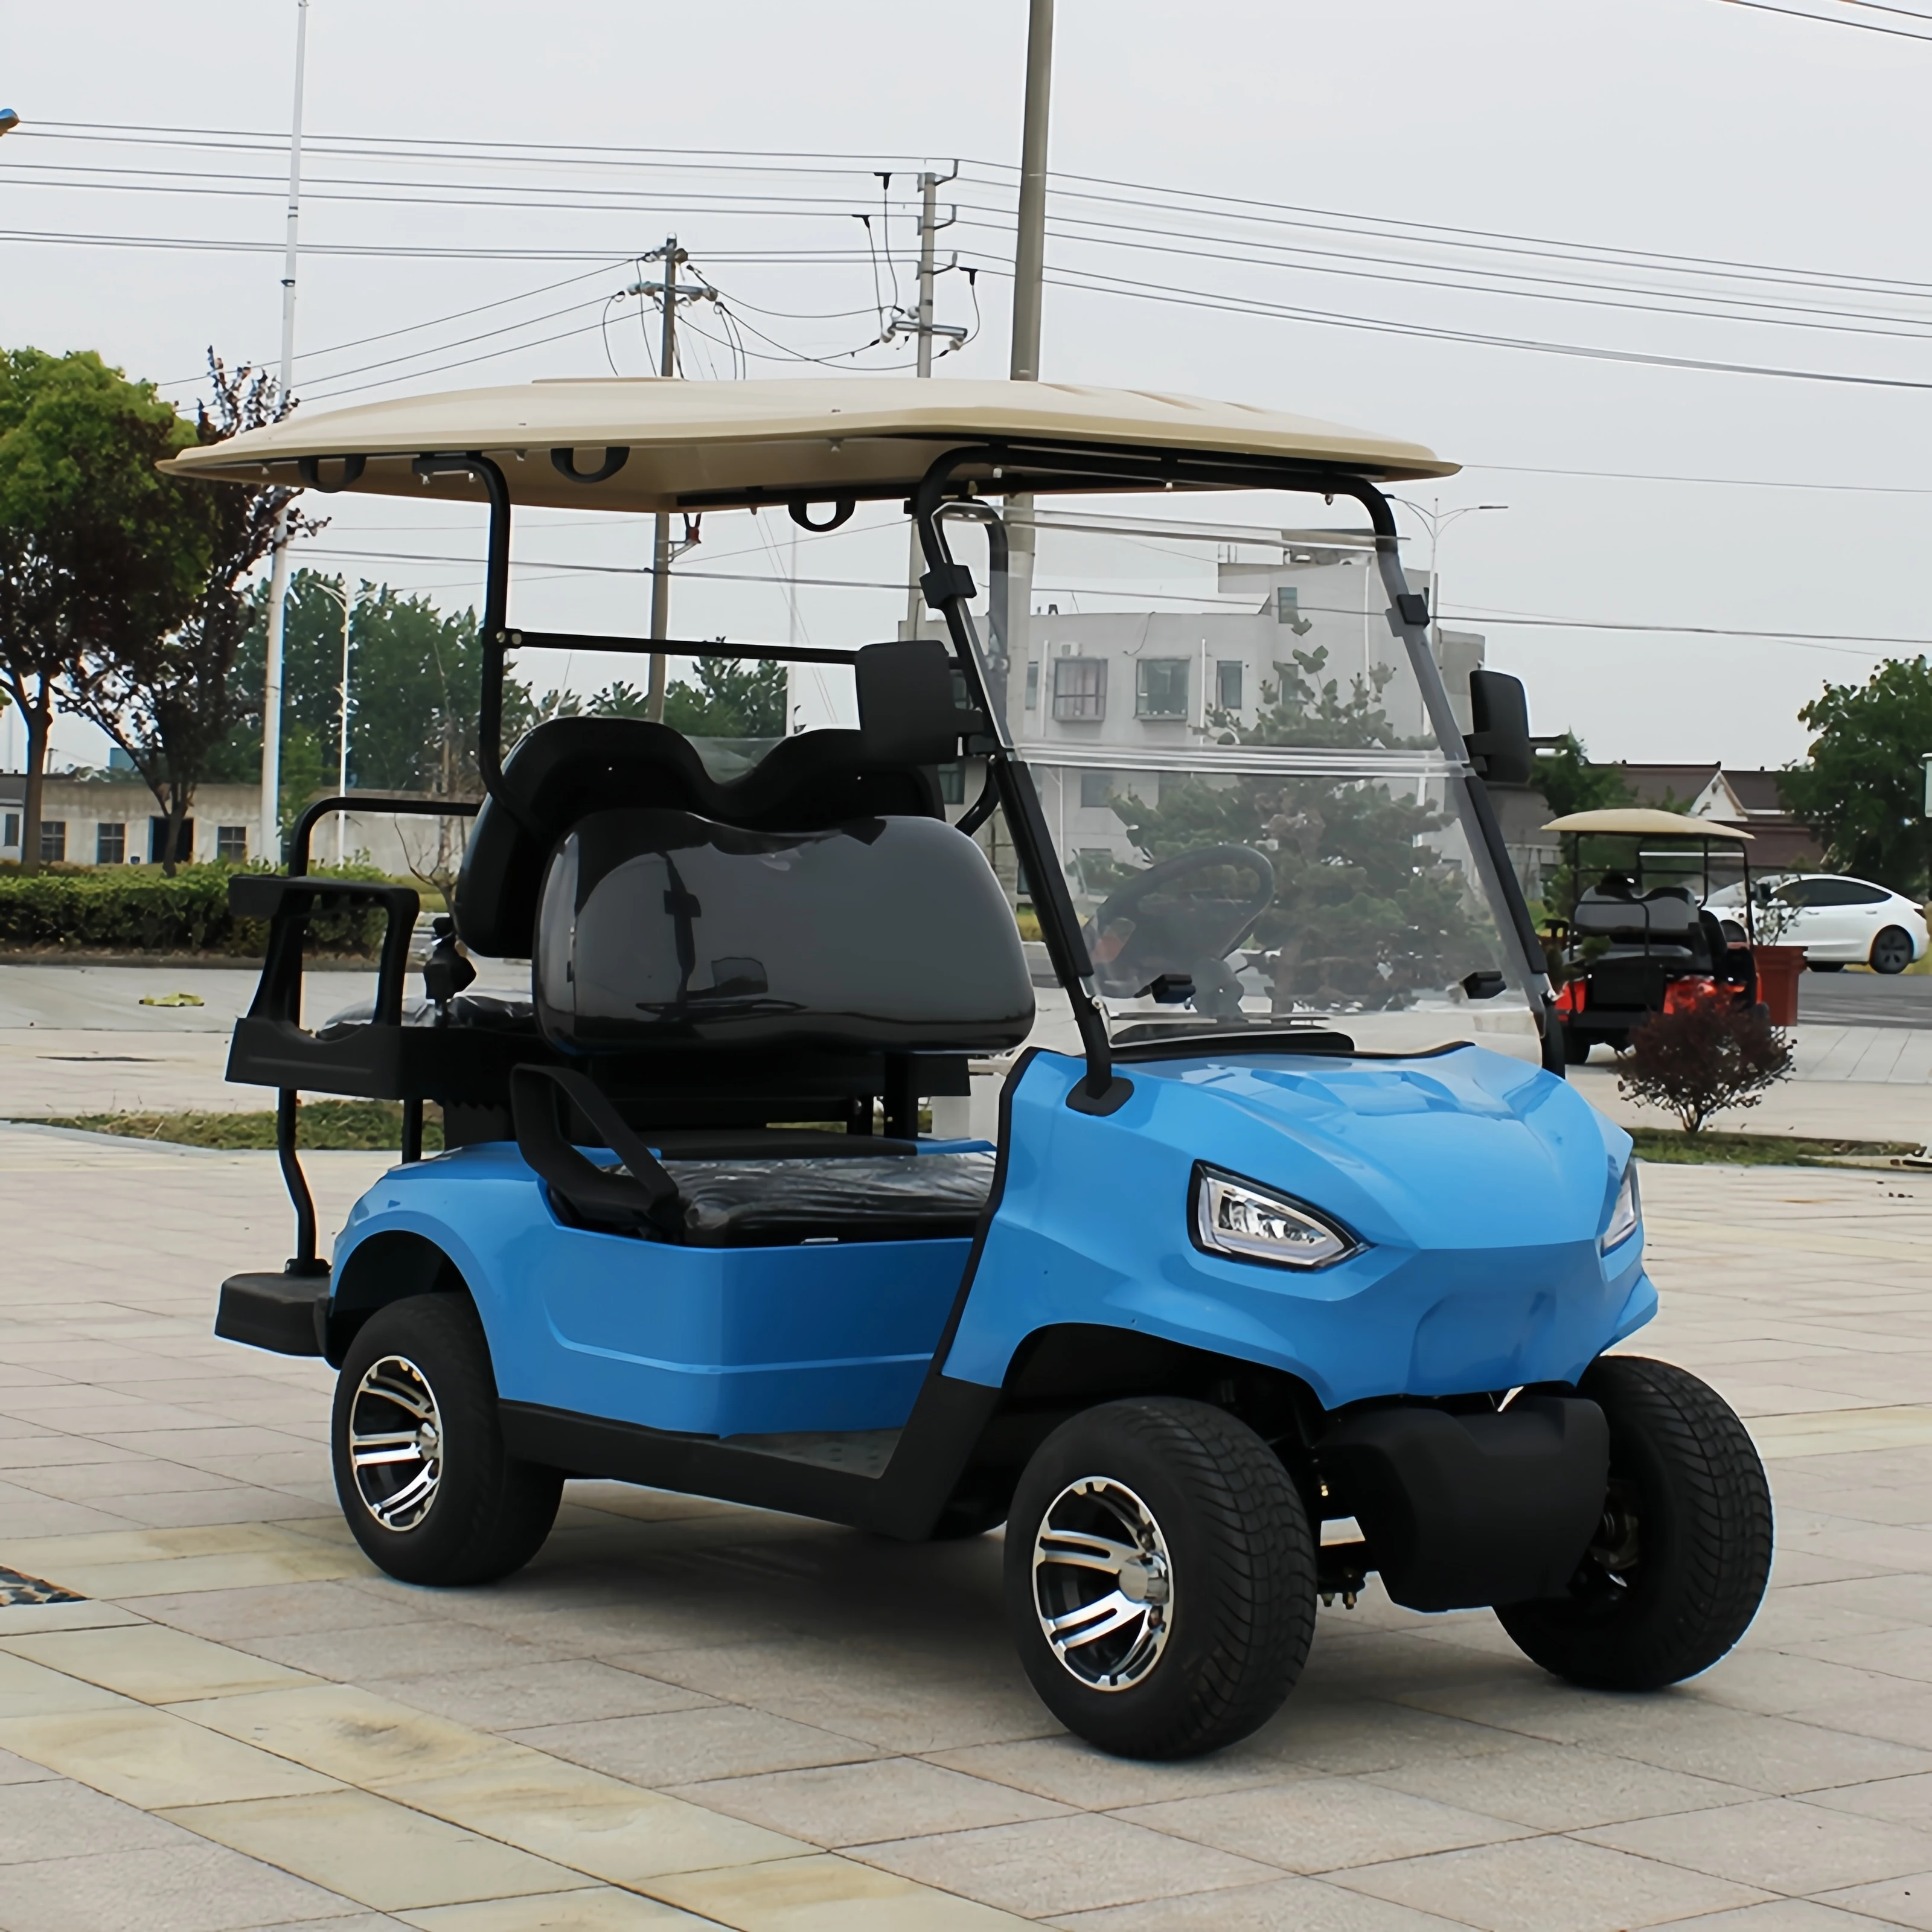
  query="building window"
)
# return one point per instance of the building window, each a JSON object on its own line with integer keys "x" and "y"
{"x": 231, "y": 842}
{"x": 12, "y": 829}
{"x": 53, "y": 840}
{"x": 1033, "y": 685}
{"x": 1162, "y": 691}
{"x": 1228, "y": 684}
{"x": 1079, "y": 690}
{"x": 158, "y": 842}
{"x": 110, "y": 844}
{"x": 952, "y": 791}
{"x": 1288, "y": 610}
{"x": 1096, "y": 788}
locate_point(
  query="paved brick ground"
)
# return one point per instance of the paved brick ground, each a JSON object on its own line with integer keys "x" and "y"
{"x": 686, "y": 1713}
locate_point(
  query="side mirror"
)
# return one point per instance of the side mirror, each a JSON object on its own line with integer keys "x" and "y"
{"x": 907, "y": 714}
{"x": 1498, "y": 742}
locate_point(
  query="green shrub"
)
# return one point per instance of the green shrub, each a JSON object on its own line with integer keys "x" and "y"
{"x": 130, "y": 909}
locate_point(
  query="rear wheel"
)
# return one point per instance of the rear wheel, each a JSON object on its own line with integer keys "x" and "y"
{"x": 1683, "y": 1551}
{"x": 421, "y": 1470}
{"x": 1160, "y": 1577}
{"x": 1575, "y": 1047}
{"x": 1891, "y": 950}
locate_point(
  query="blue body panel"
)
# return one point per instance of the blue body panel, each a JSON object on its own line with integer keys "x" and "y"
{"x": 1480, "y": 1185}
{"x": 700, "y": 1341}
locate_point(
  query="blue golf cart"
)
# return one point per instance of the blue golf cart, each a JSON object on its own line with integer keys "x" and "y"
{"x": 1141, "y": 1124}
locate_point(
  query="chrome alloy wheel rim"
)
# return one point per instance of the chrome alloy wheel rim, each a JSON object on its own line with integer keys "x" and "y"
{"x": 1103, "y": 1583}
{"x": 395, "y": 1442}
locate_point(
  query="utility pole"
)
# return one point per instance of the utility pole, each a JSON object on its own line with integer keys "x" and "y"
{"x": 1029, "y": 278}
{"x": 923, "y": 329}
{"x": 278, "y": 577}
{"x": 668, "y": 290}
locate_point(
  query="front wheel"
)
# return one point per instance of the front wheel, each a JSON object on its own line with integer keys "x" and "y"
{"x": 1575, "y": 1047}
{"x": 1891, "y": 950}
{"x": 1682, "y": 1554}
{"x": 421, "y": 1471}
{"x": 1160, "y": 1577}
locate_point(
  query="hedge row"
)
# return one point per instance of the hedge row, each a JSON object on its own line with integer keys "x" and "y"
{"x": 140, "y": 909}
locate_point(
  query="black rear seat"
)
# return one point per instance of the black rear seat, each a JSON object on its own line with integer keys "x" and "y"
{"x": 736, "y": 1204}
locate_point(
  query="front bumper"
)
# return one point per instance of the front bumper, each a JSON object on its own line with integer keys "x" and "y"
{"x": 1462, "y": 1512}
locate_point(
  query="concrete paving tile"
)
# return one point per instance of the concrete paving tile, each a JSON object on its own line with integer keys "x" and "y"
{"x": 1781, "y": 1915}
{"x": 349, "y": 1733}
{"x": 1780, "y": 1684}
{"x": 41, "y": 1449}
{"x": 1905, "y": 1800}
{"x": 1902, "y": 1713}
{"x": 894, "y": 1700}
{"x": 591, "y": 1822}
{"x": 22, "y": 1619}
{"x": 1307, "y": 1904}
{"x": 687, "y": 1746}
{"x": 1779, "y": 1843}
{"x": 1559, "y": 1787}
{"x": 24, "y": 1514}
{"x": 54, "y": 1818}
{"x": 1064, "y": 1864}
{"x": 151, "y": 1663}
{"x": 85, "y": 1482}
{"x": 378, "y": 1853}
{"x": 20, "y": 1770}
{"x": 181, "y": 1888}
{"x": 1070, "y": 1772}
{"x": 1905, "y": 1900}
{"x": 152, "y": 1758}
{"x": 270, "y": 1609}
{"x": 157, "y": 1562}
{"x": 595, "y": 1910}
{"x": 1548, "y": 1884}
{"x": 862, "y": 1804}
{"x": 414, "y": 1649}
{"x": 1322, "y": 1824}
{"x": 520, "y": 1696}
{"x": 825, "y": 1894}
{"x": 30, "y": 1689}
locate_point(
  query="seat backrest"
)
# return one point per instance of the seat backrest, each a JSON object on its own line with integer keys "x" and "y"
{"x": 569, "y": 769}
{"x": 660, "y": 927}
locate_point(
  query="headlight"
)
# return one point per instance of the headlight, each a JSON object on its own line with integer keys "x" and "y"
{"x": 1625, "y": 1215}
{"x": 1232, "y": 1216}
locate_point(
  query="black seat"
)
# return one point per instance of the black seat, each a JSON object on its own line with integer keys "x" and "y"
{"x": 569, "y": 768}
{"x": 777, "y": 1203}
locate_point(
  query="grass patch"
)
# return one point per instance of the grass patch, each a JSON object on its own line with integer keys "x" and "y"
{"x": 1672, "y": 1144}
{"x": 360, "y": 1126}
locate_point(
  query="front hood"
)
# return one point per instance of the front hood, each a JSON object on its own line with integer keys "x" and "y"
{"x": 1462, "y": 1149}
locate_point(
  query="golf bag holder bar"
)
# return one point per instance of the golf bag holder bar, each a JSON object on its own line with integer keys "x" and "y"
{"x": 368, "y": 801}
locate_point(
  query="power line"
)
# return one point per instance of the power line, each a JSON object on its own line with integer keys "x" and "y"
{"x": 1726, "y": 482}
{"x": 1828, "y": 20}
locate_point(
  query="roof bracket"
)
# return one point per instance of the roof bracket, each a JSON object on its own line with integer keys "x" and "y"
{"x": 564, "y": 462}
{"x": 842, "y": 507}
{"x": 310, "y": 468}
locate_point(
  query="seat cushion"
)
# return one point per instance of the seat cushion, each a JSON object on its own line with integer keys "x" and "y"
{"x": 488, "y": 1012}
{"x": 875, "y": 1197}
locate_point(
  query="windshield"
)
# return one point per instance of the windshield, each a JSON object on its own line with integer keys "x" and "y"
{"x": 1255, "y": 817}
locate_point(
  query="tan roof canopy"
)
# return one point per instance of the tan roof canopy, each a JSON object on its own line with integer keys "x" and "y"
{"x": 668, "y": 444}
{"x": 1643, "y": 822}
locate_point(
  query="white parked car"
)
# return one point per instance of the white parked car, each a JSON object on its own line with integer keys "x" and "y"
{"x": 1839, "y": 922}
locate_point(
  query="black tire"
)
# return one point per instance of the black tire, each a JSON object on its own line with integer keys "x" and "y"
{"x": 1825, "y": 965}
{"x": 479, "y": 1513}
{"x": 1230, "y": 1538}
{"x": 1619, "y": 1041}
{"x": 1575, "y": 1047}
{"x": 1684, "y": 1551}
{"x": 1891, "y": 950}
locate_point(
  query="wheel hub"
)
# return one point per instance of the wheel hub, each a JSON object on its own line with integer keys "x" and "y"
{"x": 1103, "y": 1585}
{"x": 395, "y": 1442}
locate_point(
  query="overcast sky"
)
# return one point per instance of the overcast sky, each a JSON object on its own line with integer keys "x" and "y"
{"x": 1568, "y": 146}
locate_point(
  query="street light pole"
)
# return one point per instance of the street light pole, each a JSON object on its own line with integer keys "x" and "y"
{"x": 278, "y": 577}
{"x": 1029, "y": 280}
{"x": 1438, "y": 519}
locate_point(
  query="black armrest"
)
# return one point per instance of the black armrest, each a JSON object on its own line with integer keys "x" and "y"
{"x": 645, "y": 1196}
{"x": 286, "y": 903}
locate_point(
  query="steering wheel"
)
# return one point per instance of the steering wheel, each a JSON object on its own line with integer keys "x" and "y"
{"x": 1148, "y": 927}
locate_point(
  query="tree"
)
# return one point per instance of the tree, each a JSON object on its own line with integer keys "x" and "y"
{"x": 94, "y": 545}
{"x": 1863, "y": 790}
{"x": 1706, "y": 1057}
{"x": 1366, "y": 910}
{"x": 165, "y": 691}
{"x": 1569, "y": 782}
